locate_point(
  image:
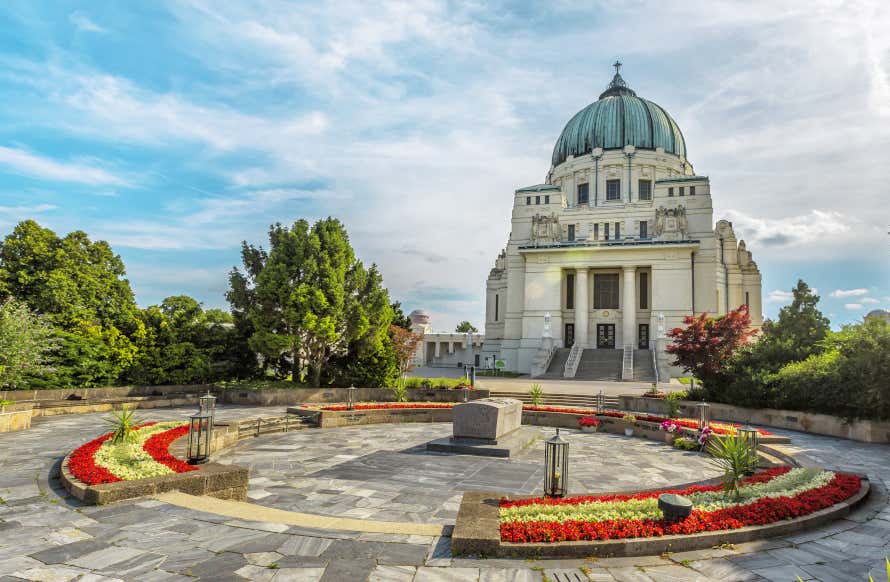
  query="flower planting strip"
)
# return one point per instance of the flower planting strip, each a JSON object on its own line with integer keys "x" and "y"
{"x": 213, "y": 479}
{"x": 477, "y": 532}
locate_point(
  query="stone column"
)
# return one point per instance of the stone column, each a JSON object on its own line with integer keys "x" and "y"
{"x": 437, "y": 349}
{"x": 581, "y": 307}
{"x": 629, "y": 306}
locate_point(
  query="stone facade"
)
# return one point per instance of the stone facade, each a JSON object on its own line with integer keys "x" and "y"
{"x": 616, "y": 245}
{"x": 445, "y": 349}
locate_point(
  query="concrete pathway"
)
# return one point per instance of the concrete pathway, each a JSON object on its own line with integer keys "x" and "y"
{"x": 45, "y": 535}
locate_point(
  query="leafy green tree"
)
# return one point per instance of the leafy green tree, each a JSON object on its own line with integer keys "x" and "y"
{"x": 465, "y": 326}
{"x": 70, "y": 280}
{"x": 398, "y": 316}
{"x": 26, "y": 341}
{"x": 749, "y": 377}
{"x": 308, "y": 300}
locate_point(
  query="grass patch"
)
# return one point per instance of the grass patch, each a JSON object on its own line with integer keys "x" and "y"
{"x": 685, "y": 380}
{"x": 434, "y": 382}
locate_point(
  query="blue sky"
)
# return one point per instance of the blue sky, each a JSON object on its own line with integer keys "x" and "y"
{"x": 175, "y": 130}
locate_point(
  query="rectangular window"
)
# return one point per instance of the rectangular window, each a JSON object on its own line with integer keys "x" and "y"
{"x": 605, "y": 291}
{"x": 692, "y": 190}
{"x": 613, "y": 189}
{"x": 606, "y": 229}
{"x": 747, "y": 298}
{"x": 497, "y": 306}
{"x": 571, "y": 232}
{"x": 671, "y": 191}
{"x": 644, "y": 290}
{"x": 537, "y": 199}
{"x": 644, "y": 229}
{"x": 596, "y": 231}
{"x": 528, "y": 200}
{"x": 570, "y": 291}
{"x": 583, "y": 193}
{"x": 645, "y": 190}
{"x": 547, "y": 199}
{"x": 681, "y": 190}
{"x": 617, "y": 230}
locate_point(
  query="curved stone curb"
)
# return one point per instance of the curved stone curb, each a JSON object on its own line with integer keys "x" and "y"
{"x": 477, "y": 532}
{"x": 252, "y": 512}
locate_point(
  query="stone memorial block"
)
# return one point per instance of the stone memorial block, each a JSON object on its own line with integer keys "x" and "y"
{"x": 487, "y": 419}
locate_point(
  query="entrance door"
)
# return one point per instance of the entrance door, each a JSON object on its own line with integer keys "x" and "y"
{"x": 570, "y": 335}
{"x": 605, "y": 335}
{"x": 643, "y": 337}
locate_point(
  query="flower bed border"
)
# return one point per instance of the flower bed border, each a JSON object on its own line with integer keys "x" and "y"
{"x": 477, "y": 532}
{"x": 213, "y": 479}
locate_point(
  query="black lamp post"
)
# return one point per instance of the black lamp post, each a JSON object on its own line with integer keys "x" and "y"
{"x": 556, "y": 466}
{"x": 350, "y": 397}
{"x": 749, "y": 435}
{"x": 704, "y": 415}
{"x": 200, "y": 433}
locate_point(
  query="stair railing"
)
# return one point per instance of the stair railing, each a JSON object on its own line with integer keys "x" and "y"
{"x": 655, "y": 366}
{"x": 573, "y": 361}
{"x": 627, "y": 368}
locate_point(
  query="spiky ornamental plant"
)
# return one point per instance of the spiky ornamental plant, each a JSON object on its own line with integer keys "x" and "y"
{"x": 123, "y": 421}
{"x": 734, "y": 457}
{"x": 536, "y": 394}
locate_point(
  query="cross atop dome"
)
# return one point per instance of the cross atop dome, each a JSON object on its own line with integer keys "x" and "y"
{"x": 617, "y": 64}
{"x": 618, "y": 86}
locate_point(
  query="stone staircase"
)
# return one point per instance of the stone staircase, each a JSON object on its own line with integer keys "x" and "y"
{"x": 600, "y": 364}
{"x": 557, "y": 364}
{"x": 643, "y": 371}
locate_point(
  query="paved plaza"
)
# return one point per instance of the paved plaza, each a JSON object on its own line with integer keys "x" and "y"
{"x": 381, "y": 473}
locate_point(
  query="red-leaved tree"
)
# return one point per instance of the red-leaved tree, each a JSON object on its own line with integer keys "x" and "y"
{"x": 706, "y": 343}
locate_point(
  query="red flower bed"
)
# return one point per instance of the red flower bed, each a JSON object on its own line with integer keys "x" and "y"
{"x": 158, "y": 446}
{"x": 763, "y": 511}
{"x": 82, "y": 465}
{"x": 759, "y": 477}
{"x": 642, "y": 417}
{"x": 390, "y": 406}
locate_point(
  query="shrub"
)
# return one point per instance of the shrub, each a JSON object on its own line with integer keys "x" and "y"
{"x": 588, "y": 421}
{"x": 673, "y": 403}
{"x": 400, "y": 392}
{"x": 686, "y": 444}
{"x": 629, "y": 419}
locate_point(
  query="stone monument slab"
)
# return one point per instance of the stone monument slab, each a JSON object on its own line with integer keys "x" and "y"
{"x": 487, "y": 419}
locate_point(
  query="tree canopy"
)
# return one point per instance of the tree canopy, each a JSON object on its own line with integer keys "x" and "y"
{"x": 308, "y": 299}
{"x": 26, "y": 342}
{"x": 465, "y": 326}
{"x": 703, "y": 347}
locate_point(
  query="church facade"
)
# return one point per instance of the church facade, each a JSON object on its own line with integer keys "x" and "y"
{"x": 618, "y": 244}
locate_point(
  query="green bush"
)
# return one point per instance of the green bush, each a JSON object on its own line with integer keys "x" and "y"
{"x": 536, "y": 394}
{"x": 433, "y": 382}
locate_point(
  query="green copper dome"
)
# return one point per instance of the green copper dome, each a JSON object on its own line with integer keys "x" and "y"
{"x": 617, "y": 119}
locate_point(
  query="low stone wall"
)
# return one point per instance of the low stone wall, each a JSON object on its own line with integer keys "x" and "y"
{"x": 477, "y": 532}
{"x": 293, "y": 396}
{"x": 101, "y": 393}
{"x": 868, "y": 431}
{"x": 14, "y": 417}
{"x": 335, "y": 418}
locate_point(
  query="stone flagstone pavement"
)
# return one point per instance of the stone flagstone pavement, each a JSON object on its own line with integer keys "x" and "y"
{"x": 371, "y": 473}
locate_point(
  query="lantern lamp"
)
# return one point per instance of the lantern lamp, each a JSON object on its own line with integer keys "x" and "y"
{"x": 556, "y": 466}
{"x": 207, "y": 403}
{"x": 200, "y": 433}
{"x": 466, "y": 394}
{"x": 749, "y": 435}
{"x": 350, "y": 397}
{"x": 704, "y": 415}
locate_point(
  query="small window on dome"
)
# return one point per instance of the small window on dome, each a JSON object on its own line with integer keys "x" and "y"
{"x": 537, "y": 199}
{"x": 528, "y": 200}
{"x": 645, "y": 190}
{"x": 613, "y": 189}
{"x": 547, "y": 199}
{"x": 681, "y": 191}
{"x": 583, "y": 193}
{"x": 671, "y": 191}
{"x": 692, "y": 190}
{"x": 606, "y": 230}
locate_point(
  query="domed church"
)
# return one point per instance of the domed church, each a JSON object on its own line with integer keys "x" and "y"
{"x": 615, "y": 247}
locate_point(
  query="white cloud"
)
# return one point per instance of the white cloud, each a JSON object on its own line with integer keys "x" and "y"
{"x": 778, "y": 296}
{"x": 869, "y": 301}
{"x": 853, "y": 306}
{"x": 843, "y": 293}
{"x": 27, "y": 210}
{"x": 84, "y": 23}
{"x": 25, "y": 162}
